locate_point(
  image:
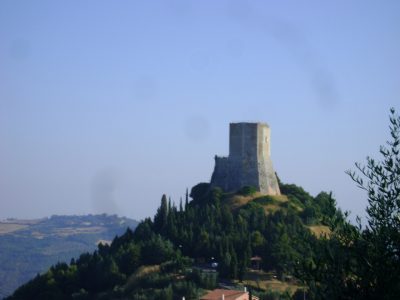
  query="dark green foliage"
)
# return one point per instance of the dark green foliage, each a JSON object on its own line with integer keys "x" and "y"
{"x": 296, "y": 192}
{"x": 274, "y": 295}
{"x": 199, "y": 192}
{"x": 328, "y": 267}
{"x": 205, "y": 280}
{"x": 357, "y": 262}
{"x": 187, "y": 289}
{"x": 144, "y": 230}
{"x": 128, "y": 257}
{"x": 379, "y": 243}
{"x": 321, "y": 209}
{"x": 160, "y": 219}
{"x": 265, "y": 200}
{"x": 309, "y": 214}
{"x": 247, "y": 191}
{"x": 326, "y": 204}
{"x": 156, "y": 250}
{"x": 280, "y": 239}
{"x": 287, "y": 243}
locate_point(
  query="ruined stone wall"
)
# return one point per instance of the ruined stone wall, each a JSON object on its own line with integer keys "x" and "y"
{"x": 221, "y": 173}
{"x": 243, "y": 155}
{"x": 249, "y": 162}
{"x": 268, "y": 183}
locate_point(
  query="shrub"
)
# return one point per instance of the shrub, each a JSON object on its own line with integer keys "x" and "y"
{"x": 247, "y": 190}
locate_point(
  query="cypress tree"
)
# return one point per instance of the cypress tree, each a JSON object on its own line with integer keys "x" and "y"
{"x": 160, "y": 219}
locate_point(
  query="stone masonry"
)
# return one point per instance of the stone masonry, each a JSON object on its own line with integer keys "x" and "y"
{"x": 249, "y": 162}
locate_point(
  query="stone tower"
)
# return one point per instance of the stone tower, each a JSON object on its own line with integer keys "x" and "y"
{"x": 249, "y": 162}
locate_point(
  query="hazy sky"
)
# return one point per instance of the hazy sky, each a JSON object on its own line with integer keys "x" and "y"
{"x": 106, "y": 105}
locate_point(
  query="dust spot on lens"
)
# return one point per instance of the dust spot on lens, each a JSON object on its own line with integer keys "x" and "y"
{"x": 196, "y": 128}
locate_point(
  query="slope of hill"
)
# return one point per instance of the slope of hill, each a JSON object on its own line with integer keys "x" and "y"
{"x": 28, "y": 247}
{"x": 203, "y": 243}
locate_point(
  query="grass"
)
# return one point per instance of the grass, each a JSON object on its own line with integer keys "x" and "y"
{"x": 67, "y": 231}
{"x": 269, "y": 199}
{"x": 272, "y": 203}
{"x": 267, "y": 282}
{"x": 146, "y": 270}
{"x": 269, "y": 203}
{"x": 236, "y": 201}
{"x": 139, "y": 273}
{"x": 10, "y": 227}
{"x": 320, "y": 230}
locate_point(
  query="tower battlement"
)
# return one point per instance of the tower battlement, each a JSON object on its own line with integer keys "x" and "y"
{"x": 249, "y": 162}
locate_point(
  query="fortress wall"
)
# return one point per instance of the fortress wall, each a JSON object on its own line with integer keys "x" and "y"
{"x": 221, "y": 173}
{"x": 263, "y": 141}
{"x": 268, "y": 182}
{"x": 249, "y": 162}
{"x": 243, "y": 155}
{"x": 243, "y": 141}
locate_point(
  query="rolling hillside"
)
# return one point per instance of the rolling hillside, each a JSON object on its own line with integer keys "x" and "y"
{"x": 28, "y": 247}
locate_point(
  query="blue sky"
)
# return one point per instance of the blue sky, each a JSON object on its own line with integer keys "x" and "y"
{"x": 106, "y": 105}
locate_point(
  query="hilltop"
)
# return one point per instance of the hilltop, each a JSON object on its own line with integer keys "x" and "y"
{"x": 29, "y": 247}
{"x": 315, "y": 212}
{"x": 207, "y": 241}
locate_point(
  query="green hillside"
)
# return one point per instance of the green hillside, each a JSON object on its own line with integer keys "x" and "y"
{"x": 29, "y": 247}
{"x": 172, "y": 254}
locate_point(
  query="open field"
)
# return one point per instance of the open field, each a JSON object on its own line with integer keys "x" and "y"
{"x": 320, "y": 230}
{"x": 10, "y": 227}
{"x": 267, "y": 281}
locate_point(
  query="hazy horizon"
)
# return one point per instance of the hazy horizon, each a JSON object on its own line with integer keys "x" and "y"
{"x": 106, "y": 106}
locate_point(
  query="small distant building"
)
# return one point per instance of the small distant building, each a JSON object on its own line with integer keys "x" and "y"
{"x": 221, "y": 294}
{"x": 256, "y": 262}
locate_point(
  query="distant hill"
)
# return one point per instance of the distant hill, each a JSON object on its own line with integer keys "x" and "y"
{"x": 28, "y": 247}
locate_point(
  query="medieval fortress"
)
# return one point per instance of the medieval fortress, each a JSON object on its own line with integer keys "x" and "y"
{"x": 249, "y": 162}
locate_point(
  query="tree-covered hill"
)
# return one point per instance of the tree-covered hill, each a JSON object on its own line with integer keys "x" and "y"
{"x": 213, "y": 238}
{"x": 29, "y": 247}
{"x": 180, "y": 241}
